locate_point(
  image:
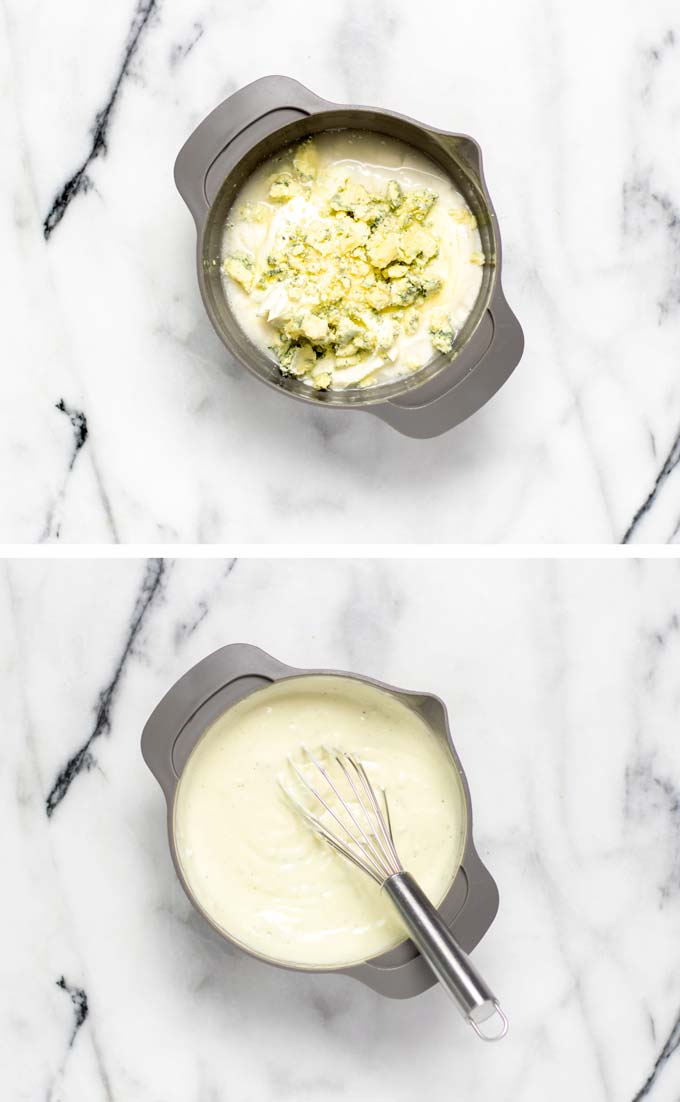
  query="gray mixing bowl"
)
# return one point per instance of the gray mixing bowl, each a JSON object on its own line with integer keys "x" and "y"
{"x": 261, "y": 120}
{"x": 228, "y": 675}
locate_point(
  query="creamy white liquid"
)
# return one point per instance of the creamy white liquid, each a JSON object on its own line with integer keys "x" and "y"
{"x": 372, "y": 160}
{"x": 257, "y": 869}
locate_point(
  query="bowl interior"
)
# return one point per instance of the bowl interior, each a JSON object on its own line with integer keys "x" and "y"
{"x": 440, "y": 148}
{"x": 428, "y": 708}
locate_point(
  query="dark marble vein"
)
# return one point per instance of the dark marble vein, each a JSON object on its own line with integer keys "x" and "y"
{"x": 80, "y": 436}
{"x": 669, "y": 465}
{"x": 81, "y": 1011}
{"x": 672, "y": 1044}
{"x": 80, "y": 1007}
{"x": 80, "y": 433}
{"x": 82, "y": 760}
{"x": 79, "y": 425}
{"x": 79, "y": 182}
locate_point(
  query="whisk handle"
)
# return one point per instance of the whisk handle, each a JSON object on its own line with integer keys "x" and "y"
{"x": 450, "y": 964}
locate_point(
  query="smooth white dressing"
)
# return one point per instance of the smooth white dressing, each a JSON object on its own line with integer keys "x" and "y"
{"x": 256, "y": 868}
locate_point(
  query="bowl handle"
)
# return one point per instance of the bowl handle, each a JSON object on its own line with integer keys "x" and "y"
{"x": 237, "y": 662}
{"x": 485, "y": 363}
{"x": 468, "y": 921}
{"x": 219, "y": 142}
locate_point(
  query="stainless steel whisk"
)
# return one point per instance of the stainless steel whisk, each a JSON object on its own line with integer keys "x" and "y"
{"x": 364, "y": 837}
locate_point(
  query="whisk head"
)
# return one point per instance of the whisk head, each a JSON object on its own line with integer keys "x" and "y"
{"x": 346, "y": 810}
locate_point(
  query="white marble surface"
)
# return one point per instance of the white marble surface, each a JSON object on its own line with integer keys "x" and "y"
{"x": 562, "y": 685}
{"x": 576, "y": 109}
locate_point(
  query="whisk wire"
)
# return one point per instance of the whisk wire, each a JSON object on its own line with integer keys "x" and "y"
{"x": 385, "y": 826}
{"x": 371, "y": 846}
{"x": 323, "y": 829}
{"x": 380, "y": 855}
{"x": 388, "y": 820}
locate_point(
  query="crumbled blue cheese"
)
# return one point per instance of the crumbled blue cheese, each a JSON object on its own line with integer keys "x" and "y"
{"x": 441, "y": 331}
{"x": 240, "y": 268}
{"x": 343, "y": 272}
{"x": 305, "y": 160}
{"x": 282, "y": 187}
{"x": 394, "y": 194}
{"x": 254, "y": 212}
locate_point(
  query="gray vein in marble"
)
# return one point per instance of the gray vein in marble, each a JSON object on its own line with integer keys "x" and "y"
{"x": 551, "y": 890}
{"x": 670, "y": 463}
{"x": 647, "y": 792}
{"x": 551, "y": 311}
{"x": 181, "y": 49}
{"x": 594, "y": 457}
{"x": 188, "y": 625}
{"x": 287, "y": 1082}
{"x": 558, "y": 693}
{"x": 80, "y": 182}
{"x": 644, "y": 205}
{"x": 662, "y": 635}
{"x": 82, "y": 759}
{"x": 360, "y": 43}
{"x": 369, "y": 614}
{"x": 554, "y": 897}
{"x": 653, "y": 56}
{"x": 672, "y": 1044}
{"x": 328, "y": 1009}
